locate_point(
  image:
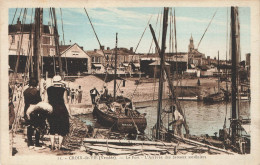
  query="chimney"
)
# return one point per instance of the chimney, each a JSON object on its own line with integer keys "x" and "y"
{"x": 102, "y": 47}
{"x": 131, "y": 49}
{"x": 108, "y": 48}
{"x": 95, "y": 50}
{"x": 18, "y": 24}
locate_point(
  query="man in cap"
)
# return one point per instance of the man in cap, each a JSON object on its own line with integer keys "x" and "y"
{"x": 93, "y": 94}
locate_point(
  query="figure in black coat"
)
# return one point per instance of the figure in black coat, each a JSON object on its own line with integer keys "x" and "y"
{"x": 31, "y": 97}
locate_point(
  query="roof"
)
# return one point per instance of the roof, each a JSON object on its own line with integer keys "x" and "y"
{"x": 158, "y": 63}
{"x": 93, "y": 53}
{"x": 204, "y": 67}
{"x": 64, "y": 48}
{"x": 166, "y": 54}
{"x": 196, "y": 52}
{"x": 180, "y": 57}
{"x": 26, "y": 28}
{"x": 120, "y": 51}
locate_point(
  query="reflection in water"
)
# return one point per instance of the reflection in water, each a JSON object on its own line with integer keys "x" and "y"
{"x": 201, "y": 118}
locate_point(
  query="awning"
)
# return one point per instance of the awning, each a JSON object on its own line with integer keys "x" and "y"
{"x": 97, "y": 65}
{"x": 125, "y": 64}
{"x": 192, "y": 66}
{"x": 137, "y": 65}
{"x": 158, "y": 63}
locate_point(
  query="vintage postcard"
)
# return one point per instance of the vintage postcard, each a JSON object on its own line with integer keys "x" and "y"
{"x": 130, "y": 82}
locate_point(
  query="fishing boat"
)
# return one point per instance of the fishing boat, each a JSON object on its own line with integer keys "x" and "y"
{"x": 125, "y": 120}
{"x": 221, "y": 95}
{"x": 213, "y": 98}
{"x": 117, "y": 112}
{"x": 237, "y": 136}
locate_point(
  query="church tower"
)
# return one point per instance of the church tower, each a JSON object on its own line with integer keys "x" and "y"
{"x": 191, "y": 45}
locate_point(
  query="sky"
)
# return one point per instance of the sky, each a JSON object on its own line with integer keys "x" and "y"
{"x": 130, "y": 23}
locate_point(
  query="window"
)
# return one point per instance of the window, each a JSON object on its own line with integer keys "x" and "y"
{"x": 75, "y": 54}
{"x": 46, "y": 40}
{"x": 13, "y": 39}
{"x": 93, "y": 59}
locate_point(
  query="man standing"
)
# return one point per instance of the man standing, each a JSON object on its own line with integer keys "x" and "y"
{"x": 72, "y": 95}
{"x": 79, "y": 94}
{"x": 31, "y": 97}
{"x": 104, "y": 93}
{"x": 178, "y": 120}
{"x": 93, "y": 94}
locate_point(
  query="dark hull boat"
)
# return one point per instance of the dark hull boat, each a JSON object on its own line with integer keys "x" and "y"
{"x": 125, "y": 122}
{"x": 216, "y": 97}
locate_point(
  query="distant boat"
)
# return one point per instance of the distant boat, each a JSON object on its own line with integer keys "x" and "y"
{"x": 216, "y": 97}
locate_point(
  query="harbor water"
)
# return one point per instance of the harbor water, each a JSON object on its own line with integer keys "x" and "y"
{"x": 201, "y": 118}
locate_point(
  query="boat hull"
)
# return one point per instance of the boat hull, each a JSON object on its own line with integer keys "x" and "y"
{"x": 218, "y": 97}
{"x": 121, "y": 123}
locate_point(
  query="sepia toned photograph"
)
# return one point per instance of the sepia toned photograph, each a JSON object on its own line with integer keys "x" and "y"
{"x": 111, "y": 83}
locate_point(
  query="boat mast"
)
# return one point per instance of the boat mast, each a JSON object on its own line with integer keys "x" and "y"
{"x": 115, "y": 76}
{"x": 218, "y": 73}
{"x": 36, "y": 44}
{"x": 174, "y": 98}
{"x": 165, "y": 24}
{"x": 56, "y": 38}
{"x": 235, "y": 62}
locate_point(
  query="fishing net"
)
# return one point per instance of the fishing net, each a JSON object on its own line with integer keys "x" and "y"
{"x": 78, "y": 131}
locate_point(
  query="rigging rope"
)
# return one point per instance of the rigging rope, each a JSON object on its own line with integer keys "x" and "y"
{"x": 143, "y": 33}
{"x": 14, "y": 16}
{"x": 172, "y": 32}
{"x": 18, "y": 51}
{"x": 64, "y": 42}
{"x": 224, "y": 126}
{"x": 106, "y": 57}
{"x": 53, "y": 57}
{"x": 207, "y": 28}
{"x": 155, "y": 31}
{"x": 14, "y": 126}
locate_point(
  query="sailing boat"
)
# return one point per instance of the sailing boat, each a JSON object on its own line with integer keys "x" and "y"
{"x": 237, "y": 123}
{"x": 220, "y": 95}
{"x": 117, "y": 112}
{"x": 236, "y": 139}
{"x": 159, "y": 131}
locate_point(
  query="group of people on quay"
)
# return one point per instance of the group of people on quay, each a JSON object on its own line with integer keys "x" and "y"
{"x": 51, "y": 105}
{"x": 74, "y": 95}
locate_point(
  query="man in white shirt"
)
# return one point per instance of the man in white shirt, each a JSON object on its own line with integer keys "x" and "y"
{"x": 178, "y": 120}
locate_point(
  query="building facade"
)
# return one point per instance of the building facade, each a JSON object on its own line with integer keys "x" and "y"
{"x": 194, "y": 56}
{"x": 21, "y": 38}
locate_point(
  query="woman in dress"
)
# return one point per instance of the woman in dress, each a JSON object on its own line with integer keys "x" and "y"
{"x": 59, "y": 119}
